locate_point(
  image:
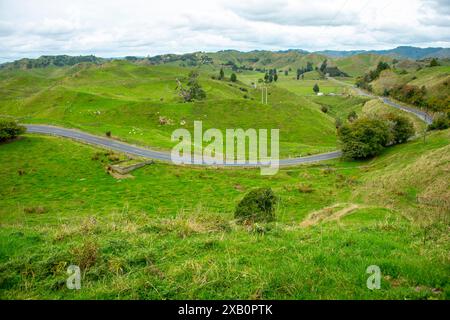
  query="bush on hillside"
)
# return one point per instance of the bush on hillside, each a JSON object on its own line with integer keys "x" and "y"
{"x": 257, "y": 206}
{"x": 10, "y": 130}
{"x": 364, "y": 138}
{"x": 364, "y": 81}
{"x": 316, "y": 88}
{"x": 434, "y": 63}
{"x": 440, "y": 122}
{"x": 352, "y": 116}
{"x": 401, "y": 128}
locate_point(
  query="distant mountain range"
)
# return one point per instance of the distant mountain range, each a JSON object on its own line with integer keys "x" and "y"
{"x": 407, "y": 52}
{"x": 358, "y": 60}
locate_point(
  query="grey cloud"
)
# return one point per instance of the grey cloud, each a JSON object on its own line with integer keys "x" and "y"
{"x": 288, "y": 13}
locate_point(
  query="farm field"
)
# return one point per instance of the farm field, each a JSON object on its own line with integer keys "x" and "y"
{"x": 135, "y": 242}
{"x": 166, "y": 231}
{"x": 130, "y": 101}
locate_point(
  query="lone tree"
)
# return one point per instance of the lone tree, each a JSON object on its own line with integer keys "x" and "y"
{"x": 316, "y": 88}
{"x": 323, "y": 66}
{"x": 10, "y": 130}
{"x": 221, "y": 74}
{"x": 194, "y": 91}
{"x": 275, "y": 77}
{"x": 434, "y": 63}
{"x": 233, "y": 77}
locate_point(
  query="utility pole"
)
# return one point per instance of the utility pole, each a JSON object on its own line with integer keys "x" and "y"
{"x": 264, "y": 95}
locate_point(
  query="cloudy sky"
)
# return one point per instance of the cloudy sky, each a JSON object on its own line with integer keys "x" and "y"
{"x": 111, "y": 28}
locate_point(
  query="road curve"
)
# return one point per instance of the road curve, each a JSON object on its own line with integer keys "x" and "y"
{"x": 420, "y": 114}
{"x": 155, "y": 155}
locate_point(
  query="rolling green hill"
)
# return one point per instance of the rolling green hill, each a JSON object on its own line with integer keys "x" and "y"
{"x": 134, "y": 241}
{"x": 359, "y": 64}
{"x": 427, "y": 86}
{"x": 130, "y": 100}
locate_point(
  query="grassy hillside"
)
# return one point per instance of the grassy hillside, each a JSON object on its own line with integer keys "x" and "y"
{"x": 259, "y": 59}
{"x": 433, "y": 79}
{"x": 425, "y": 87}
{"x": 133, "y": 240}
{"x": 378, "y": 108}
{"x": 129, "y": 99}
{"x": 359, "y": 64}
{"x": 341, "y": 106}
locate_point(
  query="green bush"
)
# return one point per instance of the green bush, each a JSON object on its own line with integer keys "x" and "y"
{"x": 440, "y": 122}
{"x": 401, "y": 128}
{"x": 257, "y": 206}
{"x": 364, "y": 138}
{"x": 10, "y": 129}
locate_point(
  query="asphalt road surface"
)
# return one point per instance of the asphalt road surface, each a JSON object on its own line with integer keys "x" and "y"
{"x": 151, "y": 154}
{"x": 420, "y": 114}
{"x": 165, "y": 156}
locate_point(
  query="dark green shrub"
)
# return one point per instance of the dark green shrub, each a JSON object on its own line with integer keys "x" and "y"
{"x": 440, "y": 122}
{"x": 10, "y": 129}
{"x": 257, "y": 206}
{"x": 401, "y": 128}
{"x": 352, "y": 116}
{"x": 364, "y": 138}
{"x": 324, "y": 109}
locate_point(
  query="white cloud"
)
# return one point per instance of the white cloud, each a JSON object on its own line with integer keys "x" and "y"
{"x": 139, "y": 27}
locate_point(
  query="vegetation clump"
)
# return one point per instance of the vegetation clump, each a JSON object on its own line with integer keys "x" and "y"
{"x": 367, "y": 137}
{"x": 440, "y": 122}
{"x": 257, "y": 206}
{"x": 10, "y": 130}
{"x": 364, "y": 82}
{"x": 193, "y": 91}
{"x": 316, "y": 88}
{"x": 401, "y": 128}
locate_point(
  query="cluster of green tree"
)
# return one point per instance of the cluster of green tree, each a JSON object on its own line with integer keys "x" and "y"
{"x": 300, "y": 71}
{"x": 367, "y": 137}
{"x": 434, "y": 63}
{"x": 332, "y": 71}
{"x": 233, "y": 77}
{"x": 9, "y": 130}
{"x": 271, "y": 76}
{"x": 194, "y": 91}
{"x": 188, "y": 59}
{"x": 364, "y": 81}
{"x": 47, "y": 61}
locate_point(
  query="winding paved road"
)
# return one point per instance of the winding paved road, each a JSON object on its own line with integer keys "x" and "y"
{"x": 165, "y": 156}
{"x": 420, "y": 114}
{"x": 151, "y": 154}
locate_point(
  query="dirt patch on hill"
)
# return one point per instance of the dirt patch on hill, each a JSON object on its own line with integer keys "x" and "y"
{"x": 334, "y": 212}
